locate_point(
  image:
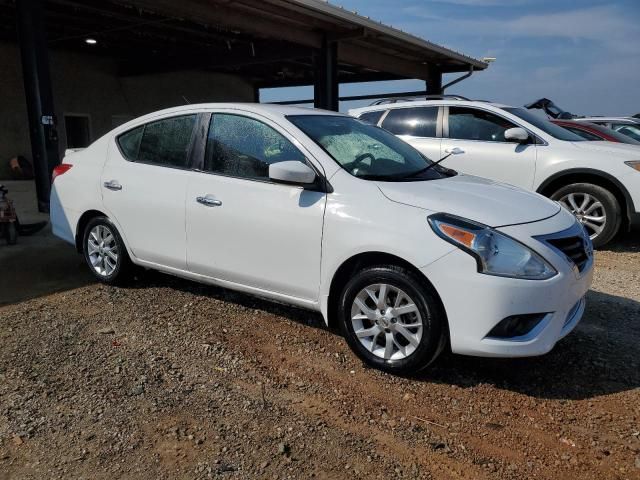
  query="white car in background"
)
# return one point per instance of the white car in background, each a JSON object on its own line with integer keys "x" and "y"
{"x": 326, "y": 212}
{"x": 598, "y": 181}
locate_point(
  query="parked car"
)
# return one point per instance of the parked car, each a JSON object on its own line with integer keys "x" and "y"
{"x": 629, "y": 126}
{"x": 594, "y": 132}
{"x": 599, "y": 182}
{"x": 323, "y": 211}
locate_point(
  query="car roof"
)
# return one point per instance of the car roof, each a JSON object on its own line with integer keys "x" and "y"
{"x": 608, "y": 119}
{"x": 422, "y": 103}
{"x": 264, "y": 108}
{"x": 268, "y": 110}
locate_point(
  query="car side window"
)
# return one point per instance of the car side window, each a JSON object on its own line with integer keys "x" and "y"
{"x": 415, "y": 121}
{"x": 244, "y": 147}
{"x": 372, "y": 117}
{"x": 474, "y": 124}
{"x": 164, "y": 142}
{"x": 129, "y": 143}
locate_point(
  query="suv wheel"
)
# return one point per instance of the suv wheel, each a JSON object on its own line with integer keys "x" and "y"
{"x": 105, "y": 252}
{"x": 391, "y": 319}
{"x": 595, "y": 207}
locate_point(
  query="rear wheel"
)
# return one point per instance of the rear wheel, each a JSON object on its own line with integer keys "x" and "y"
{"x": 105, "y": 252}
{"x": 391, "y": 319}
{"x": 595, "y": 207}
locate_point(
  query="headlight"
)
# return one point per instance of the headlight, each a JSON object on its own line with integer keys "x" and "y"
{"x": 635, "y": 164}
{"x": 495, "y": 252}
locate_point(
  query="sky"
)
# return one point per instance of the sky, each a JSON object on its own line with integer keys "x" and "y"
{"x": 582, "y": 54}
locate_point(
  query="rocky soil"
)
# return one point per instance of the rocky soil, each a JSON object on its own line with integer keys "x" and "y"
{"x": 170, "y": 379}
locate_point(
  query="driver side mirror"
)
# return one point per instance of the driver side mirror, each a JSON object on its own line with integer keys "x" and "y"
{"x": 292, "y": 172}
{"x": 517, "y": 134}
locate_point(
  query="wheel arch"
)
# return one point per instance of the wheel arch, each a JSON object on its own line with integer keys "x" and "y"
{"x": 370, "y": 259}
{"x": 596, "y": 177}
{"x": 82, "y": 223}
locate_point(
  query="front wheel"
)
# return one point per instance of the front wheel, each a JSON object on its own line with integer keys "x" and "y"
{"x": 392, "y": 320}
{"x": 595, "y": 207}
{"x": 105, "y": 252}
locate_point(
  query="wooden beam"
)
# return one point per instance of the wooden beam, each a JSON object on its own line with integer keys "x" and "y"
{"x": 215, "y": 14}
{"x": 357, "y": 55}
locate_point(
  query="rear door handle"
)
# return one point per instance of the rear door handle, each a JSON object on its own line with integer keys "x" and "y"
{"x": 454, "y": 151}
{"x": 112, "y": 185}
{"x": 209, "y": 201}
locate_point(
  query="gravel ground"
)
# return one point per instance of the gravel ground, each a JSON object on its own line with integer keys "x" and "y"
{"x": 170, "y": 379}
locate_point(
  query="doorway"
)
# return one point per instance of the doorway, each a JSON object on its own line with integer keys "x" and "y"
{"x": 78, "y": 130}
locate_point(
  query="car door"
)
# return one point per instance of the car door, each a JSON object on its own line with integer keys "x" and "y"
{"x": 475, "y": 139}
{"x": 144, "y": 182}
{"x": 244, "y": 228}
{"x": 418, "y": 126}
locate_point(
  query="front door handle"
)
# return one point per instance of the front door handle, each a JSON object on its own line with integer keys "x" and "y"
{"x": 454, "y": 151}
{"x": 209, "y": 201}
{"x": 112, "y": 185}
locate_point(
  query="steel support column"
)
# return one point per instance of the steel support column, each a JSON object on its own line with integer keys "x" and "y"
{"x": 325, "y": 88}
{"x": 434, "y": 82}
{"x": 39, "y": 95}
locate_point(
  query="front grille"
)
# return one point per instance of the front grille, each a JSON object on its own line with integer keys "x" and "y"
{"x": 574, "y": 248}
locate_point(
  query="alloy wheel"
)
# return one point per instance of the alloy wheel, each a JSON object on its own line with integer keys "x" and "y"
{"x": 588, "y": 210}
{"x": 102, "y": 250}
{"x": 386, "y": 321}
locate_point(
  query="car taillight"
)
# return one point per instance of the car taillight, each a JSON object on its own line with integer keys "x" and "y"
{"x": 59, "y": 170}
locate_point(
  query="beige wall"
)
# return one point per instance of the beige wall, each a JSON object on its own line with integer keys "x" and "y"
{"x": 89, "y": 85}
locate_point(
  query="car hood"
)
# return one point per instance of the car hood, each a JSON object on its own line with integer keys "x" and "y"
{"x": 618, "y": 149}
{"x": 474, "y": 198}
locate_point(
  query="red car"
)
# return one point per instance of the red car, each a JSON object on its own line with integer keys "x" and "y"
{"x": 591, "y": 131}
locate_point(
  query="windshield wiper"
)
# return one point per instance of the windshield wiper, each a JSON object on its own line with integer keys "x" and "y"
{"x": 429, "y": 167}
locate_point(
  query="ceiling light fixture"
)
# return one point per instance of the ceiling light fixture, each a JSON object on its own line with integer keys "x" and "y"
{"x": 90, "y": 41}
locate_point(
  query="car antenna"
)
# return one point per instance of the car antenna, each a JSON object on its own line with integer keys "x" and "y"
{"x": 186, "y": 100}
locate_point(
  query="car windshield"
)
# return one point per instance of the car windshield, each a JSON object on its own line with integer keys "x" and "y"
{"x": 613, "y": 133}
{"x": 556, "y": 131}
{"x": 366, "y": 151}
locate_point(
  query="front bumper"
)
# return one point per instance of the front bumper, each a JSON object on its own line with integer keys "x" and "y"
{"x": 475, "y": 302}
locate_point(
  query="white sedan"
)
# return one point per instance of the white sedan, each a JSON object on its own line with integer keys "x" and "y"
{"x": 326, "y": 212}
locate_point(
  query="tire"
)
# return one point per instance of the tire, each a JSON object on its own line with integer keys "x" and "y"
{"x": 12, "y": 233}
{"x": 105, "y": 236}
{"x": 592, "y": 194}
{"x": 383, "y": 349}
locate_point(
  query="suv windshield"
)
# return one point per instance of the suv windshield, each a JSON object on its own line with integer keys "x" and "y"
{"x": 366, "y": 151}
{"x": 545, "y": 125}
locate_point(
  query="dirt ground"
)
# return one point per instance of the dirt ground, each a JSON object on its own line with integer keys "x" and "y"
{"x": 171, "y": 379}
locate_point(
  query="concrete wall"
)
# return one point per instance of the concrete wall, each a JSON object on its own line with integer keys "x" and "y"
{"x": 90, "y": 85}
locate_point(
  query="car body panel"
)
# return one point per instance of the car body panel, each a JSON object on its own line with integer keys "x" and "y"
{"x": 501, "y": 204}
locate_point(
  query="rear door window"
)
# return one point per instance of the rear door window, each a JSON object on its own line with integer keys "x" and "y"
{"x": 414, "y": 121}
{"x": 164, "y": 142}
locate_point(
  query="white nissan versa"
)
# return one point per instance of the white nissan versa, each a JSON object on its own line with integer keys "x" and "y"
{"x": 324, "y": 211}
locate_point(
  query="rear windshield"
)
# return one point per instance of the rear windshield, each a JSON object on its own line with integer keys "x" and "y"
{"x": 556, "y": 131}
